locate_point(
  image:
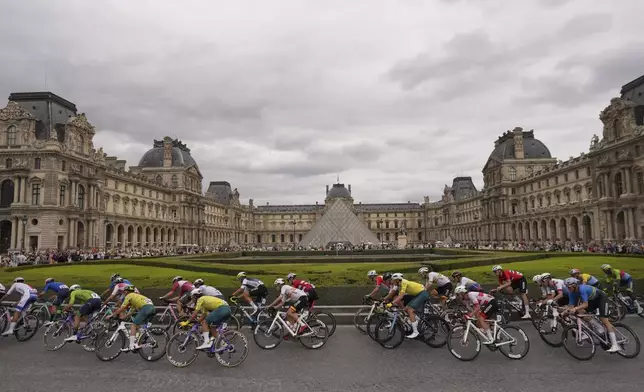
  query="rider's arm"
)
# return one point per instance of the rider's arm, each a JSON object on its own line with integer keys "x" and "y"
{"x": 44, "y": 290}
{"x": 505, "y": 284}
{"x": 278, "y": 301}
{"x": 72, "y": 298}
{"x": 374, "y": 291}
{"x": 238, "y": 291}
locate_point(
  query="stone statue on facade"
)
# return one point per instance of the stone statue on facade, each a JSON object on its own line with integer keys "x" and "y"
{"x": 426, "y": 199}
{"x": 594, "y": 141}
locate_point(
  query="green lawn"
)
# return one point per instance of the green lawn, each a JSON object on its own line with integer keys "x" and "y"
{"x": 559, "y": 267}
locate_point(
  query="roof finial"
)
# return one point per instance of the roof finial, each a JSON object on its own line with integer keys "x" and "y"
{"x": 338, "y": 179}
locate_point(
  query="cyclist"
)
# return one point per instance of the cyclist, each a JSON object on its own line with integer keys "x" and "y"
{"x": 544, "y": 290}
{"x": 586, "y": 299}
{"x": 251, "y": 287}
{"x": 416, "y": 295}
{"x": 305, "y": 286}
{"x": 383, "y": 282}
{"x": 213, "y": 312}
{"x": 60, "y": 289}
{"x": 484, "y": 307}
{"x": 585, "y": 278}
{"x": 112, "y": 283}
{"x": 28, "y": 296}
{"x": 145, "y": 313}
{"x": 91, "y": 303}
{"x": 117, "y": 292}
{"x": 509, "y": 281}
{"x": 208, "y": 291}
{"x": 297, "y": 298}
{"x": 557, "y": 290}
{"x": 182, "y": 288}
{"x": 443, "y": 284}
{"x": 469, "y": 284}
{"x": 622, "y": 279}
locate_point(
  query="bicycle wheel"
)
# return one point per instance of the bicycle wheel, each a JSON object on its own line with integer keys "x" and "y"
{"x": 41, "y": 313}
{"x": 55, "y": 335}
{"x": 327, "y": 319}
{"x": 372, "y": 323}
{"x": 108, "y": 341}
{"x": 585, "y": 344}
{"x": 180, "y": 344}
{"x": 233, "y": 323}
{"x": 315, "y": 336}
{"x": 630, "y": 340}
{"x": 616, "y": 310}
{"x": 234, "y": 342}
{"x": 176, "y": 328}
{"x": 95, "y": 328}
{"x": 515, "y": 343}
{"x": 153, "y": 342}
{"x": 389, "y": 334}
{"x": 437, "y": 330}
{"x": 550, "y": 333}
{"x": 26, "y": 328}
{"x": 360, "y": 319}
{"x": 457, "y": 342}
{"x": 272, "y": 336}
{"x": 164, "y": 320}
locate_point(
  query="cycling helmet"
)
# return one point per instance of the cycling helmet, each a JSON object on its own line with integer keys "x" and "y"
{"x": 196, "y": 293}
{"x": 423, "y": 271}
{"x": 114, "y": 276}
{"x": 386, "y": 276}
{"x": 19, "y": 280}
{"x": 129, "y": 288}
{"x": 118, "y": 280}
{"x": 74, "y": 287}
{"x": 176, "y": 279}
{"x": 460, "y": 290}
{"x": 497, "y": 268}
{"x": 279, "y": 282}
{"x": 198, "y": 283}
{"x": 372, "y": 273}
{"x": 546, "y": 275}
{"x": 456, "y": 273}
{"x": 571, "y": 282}
{"x": 241, "y": 275}
{"x": 49, "y": 280}
{"x": 397, "y": 276}
{"x": 574, "y": 271}
{"x": 291, "y": 275}
{"x": 536, "y": 279}
{"x": 606, "y": 267}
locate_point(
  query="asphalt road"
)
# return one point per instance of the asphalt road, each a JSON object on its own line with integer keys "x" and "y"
{"x": 349, "y": 362}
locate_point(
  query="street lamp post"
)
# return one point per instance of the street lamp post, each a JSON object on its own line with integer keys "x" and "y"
{"x": 294, "y": 222}
{"x": 379, "y": 222}
{"x": 476, "y": 231}
{"x": 24, "y": 231}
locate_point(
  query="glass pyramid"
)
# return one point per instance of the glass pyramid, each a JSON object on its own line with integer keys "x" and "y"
{"x": 339, "y": 224}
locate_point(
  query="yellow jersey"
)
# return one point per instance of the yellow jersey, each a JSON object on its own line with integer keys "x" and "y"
{"x": 137, "y": 301}
{"x": 208, "y": 304}
{"x": 410, "y": 288}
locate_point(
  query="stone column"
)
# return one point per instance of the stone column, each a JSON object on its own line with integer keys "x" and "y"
{"x": 21, "y": 235}
{"x": 16, "y": 189}
{"x": 24, "y": 191}
{"x": 609, "y": 224}
{"x": 631, "y": 229}
{"x": 14, "y": 232}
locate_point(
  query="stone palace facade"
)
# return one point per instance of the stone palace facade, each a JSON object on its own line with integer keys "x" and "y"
{"x": 58, "y": 191}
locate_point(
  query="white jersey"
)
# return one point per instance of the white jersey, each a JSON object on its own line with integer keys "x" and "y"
{"x": 440, "y": 279}
{"x": 118, "y": 288}
{"x": 480, "y": 299}
{"x": 556, "y": 285}
{"x": 22, "y": 289}
{"x": 290, "y": 293}
{"x": 544, "y": 291}
{"x": 210, "y": 291}
{"x": 467, "y": 282}
{"x": 251, "y": 283}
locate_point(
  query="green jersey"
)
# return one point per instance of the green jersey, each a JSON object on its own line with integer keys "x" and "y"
{"x": 82, "y": 296}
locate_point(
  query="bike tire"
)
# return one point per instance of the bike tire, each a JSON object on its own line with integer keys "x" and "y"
{"x": 438, "y": 326}
{"x": 41, "y": 313}
{"x": 635, "y": 339}
{"x": 242, "y": 345}
{"x": 164, "y": 320}
{"x": 153, "y": 333}
{"x": 30, "y": 324}
{"x": 97, "y": 327}
{"x": 544, "y": 328}
{"x": 522, "y": 336}
{"x": 263, "y": 327}
{"x": 233, "y": 323}
{"x": 321, "y": 333}
{"x": 328, "y": 319}
{"x": 176, "y": 341}
{"x": 64, "y": 329}
{"x": 389, "y": 339}
{"x": 454, "y": 339}
{"x": 103, "y": 340}
{"x": 569, "y": 334}
{"x": 360, "y": 319}
{"x": 372, "y": 323}
{"x": 176, "y": 328}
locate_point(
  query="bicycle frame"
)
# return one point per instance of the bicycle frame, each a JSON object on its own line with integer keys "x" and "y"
{"x": 169, "y": 309}
{"x": 582, "y": 326}
{"x": 279, "y": 320}
{"x": 220, "y": 333}
{"x": 124, "y": 327}
{"x": 497, "y": 330}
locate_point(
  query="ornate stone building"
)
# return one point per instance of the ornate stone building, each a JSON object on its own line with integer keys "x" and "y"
{"x": 529, "y": 196}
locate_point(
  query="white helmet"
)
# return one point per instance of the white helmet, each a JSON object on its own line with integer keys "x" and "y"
{"x": 198, "y": 283}
{"x": 279, "y": 282}
{"x": 571, "y": 281}
{"x": 397, "y": 276}
{"x": 74, "y": 287}
{"x": 460, "y": 290}
{"x": 537, "y": 278}
{"x": 195, "y": 293}
{"x": 291, "y": 275}
{"x": 372, "y": 273}
{"x": 19, "y": 280}
{"x": 546, "y": 275}
{"x": 497, "y": 268}
{"x": 423, "y": 271}
{"x": 176, "y": 278}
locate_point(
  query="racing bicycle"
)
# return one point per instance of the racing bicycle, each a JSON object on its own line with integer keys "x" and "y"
{"x": 312, "y": 334}
{"x": 512, "y": 341}
{"x": 585, "y": 335}
{"x": 26, "y": 327}
{"x": 151, "y": 341}
{"x": 62, "y": 329}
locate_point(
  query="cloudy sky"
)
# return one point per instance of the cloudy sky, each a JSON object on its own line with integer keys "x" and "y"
{"x": 279, "y": 97}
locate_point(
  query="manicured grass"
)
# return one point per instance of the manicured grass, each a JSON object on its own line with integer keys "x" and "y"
{"x": 559, "y": 267}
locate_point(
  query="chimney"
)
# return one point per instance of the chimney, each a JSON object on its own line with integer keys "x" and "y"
{"x": 316, "y": 203}
{"x": 167, "y": 151}
{"x": 349, "y": 188}
{"x": 250, "y": 203}
{"x": 518, "y": 143}
{"x": 266, "y": 203}
{"x": 327, "y": 190}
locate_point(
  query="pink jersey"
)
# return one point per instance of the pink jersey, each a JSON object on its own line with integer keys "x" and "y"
{"x": 184, "y": 286}
{"x": 478, "y": 299}
{"x": 118, "y": 288}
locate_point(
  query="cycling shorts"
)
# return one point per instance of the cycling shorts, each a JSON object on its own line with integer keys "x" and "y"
{"x": 89, "y": 307}
{"x": 185, "y": 299}
{"x": 312, "y": 294}
{"x": 25, "y": 302}
{"x": 219, "y": 315}
{"x": 60, "y": 297}
{"x": 144, "y": 315}
{"x": 259, "y": 294}
{"x": 626, "y": 283}
{"x": 489, "y": 310}
{"x": 520, "y": 284}
{"x": 301, "y": 303}
{"x": 418, "y": 301}
{"x": 445, "y": 289}
{"x": 599, "y": 303}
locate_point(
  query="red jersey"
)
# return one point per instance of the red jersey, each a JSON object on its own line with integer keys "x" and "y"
{"x": 381, "y": 281}
{"x": 510, "y": 275}
{"x": 302, "y": 285}
{"x": 183, "y": 285}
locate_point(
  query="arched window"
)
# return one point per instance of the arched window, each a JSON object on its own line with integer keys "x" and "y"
{"x": 8, "y": 163}
{"x": 12, "y": 132}
{"x": 513, "y": 173}
{"x": 175, "y": 181}
{"x": 281, "y": 237}
{"x": 37, "y": 163}
{"x": 81, "y": 197}
{"x": 300, "y": 238}
{"x": 387, "y": 237}
{"x": 618, "y": 184}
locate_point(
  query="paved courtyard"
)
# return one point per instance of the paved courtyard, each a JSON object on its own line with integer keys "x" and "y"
{"x": 349, "y": 362}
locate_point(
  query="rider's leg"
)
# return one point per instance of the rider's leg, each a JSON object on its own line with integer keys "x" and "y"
{"x": 204, "y": 330}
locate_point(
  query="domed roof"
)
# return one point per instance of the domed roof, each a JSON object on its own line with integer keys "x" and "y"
{"x": 338, "y": 190}
{"x": 532, "y": 148}
{"x": 180, "y": 155}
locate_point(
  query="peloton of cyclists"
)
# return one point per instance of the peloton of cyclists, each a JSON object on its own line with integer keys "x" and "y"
{"x": 509, "y": 281}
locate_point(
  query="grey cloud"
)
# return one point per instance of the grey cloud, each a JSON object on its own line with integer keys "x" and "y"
{"x": 585, "y": 25}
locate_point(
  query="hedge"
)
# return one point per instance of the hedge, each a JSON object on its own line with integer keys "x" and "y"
{"x": 326, "y": 259}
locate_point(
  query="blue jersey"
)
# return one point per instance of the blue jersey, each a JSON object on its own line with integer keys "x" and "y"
{"x": 56, "y": 287}
{"x": 584, "y": 293}
{"x": 113, "y": 283}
